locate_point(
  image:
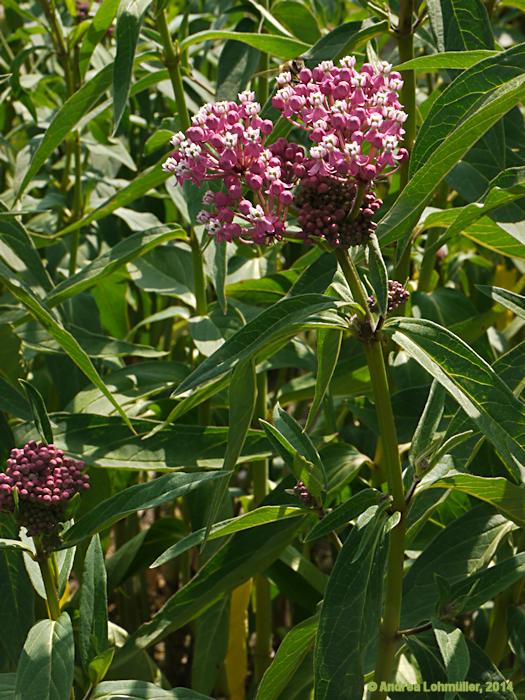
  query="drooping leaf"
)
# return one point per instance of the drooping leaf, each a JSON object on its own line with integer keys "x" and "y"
{"x": 46, "y": 665}
{"x": 38, "y": 408}
{"x": 446, "y": 59}
{"x": 280, "y": 46}
{"x": 142, "y": 690}
{"x": 470, "y": 380}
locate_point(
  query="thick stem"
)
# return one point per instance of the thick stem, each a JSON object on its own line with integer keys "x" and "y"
{"x": 263, "y": 601}
{"x": 392, "y": 465}
{"x": 405, "y": 42}
{"x": 48, "y": 571}
{"x": 172, "y": 60}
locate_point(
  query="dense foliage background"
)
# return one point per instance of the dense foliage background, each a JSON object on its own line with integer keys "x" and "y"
{"x": 161, "y": 359}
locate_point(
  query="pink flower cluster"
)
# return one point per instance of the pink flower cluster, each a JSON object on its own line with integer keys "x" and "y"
{"x": 353, "y": 117}
{"x": 44, "y": 480}
{"x": 226, "y": 144}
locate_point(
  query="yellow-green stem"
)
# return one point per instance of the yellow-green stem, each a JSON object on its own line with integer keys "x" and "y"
{"x": 263, "y": 601}
{"x": 392, "y": 465}
{"x": 172, "y": 61}
{"x": 48, "y": 571}
{"x": 263, "y": 65}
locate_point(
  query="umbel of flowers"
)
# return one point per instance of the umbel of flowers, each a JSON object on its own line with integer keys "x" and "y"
{"x": 38, "y": 482}
{"x": 355, "y": 123}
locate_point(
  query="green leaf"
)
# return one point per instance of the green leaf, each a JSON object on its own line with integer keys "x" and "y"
{"x": 243, "y": 395}
{"x": 129, "y": 21}
{"x": 7, "y": 686}
{"x": 124, "y": 251}
{"x": 242, "y": 557}
{"x": 15, "y": 544}
{"x": 290, "y": 654}
{"x": 344, "y": 39}
{"x": 516, "y": 630}
{"x": 97, "y": 30}
{"x": 484, "y": 672}
{"x": 245, "y": 521}
{"x": 471, "y": 381}
{"x": 505, "y": 496}
{"x": 465, "y": 546}
{"x": 147, "y": 180}
{"x": 280, "y": 46}
{"x": 66, "y": 341}
{"x": 510, "y": 300}
{"x": 465, "y": 111}
{"x": 350, "y": 612}
{"x": 280, "y": 321}
{"x": 141, "y": 690}
{"x": 297, "y": 450}
{"x": 506, "y": 239}
{"x": 237, "y": 64}
{"x": 65, "y": 120}
{"x": 328, "y": 348}
{"x": 137, "y": 497}
{"x": 454, "y": 651}
{"x": 298, "y": 18}
{"x": 38, "y": 408}
{"x": 428, "y": 424}
{"x": 378, "y": 274}
{"x": 17, "y": 251}
{"x": 344, "y": 513}
{"x": 93, "y": 630}
{"x": 46, "y": 665}
{"x": 463, "y": 26}
{"x": 447, "y": 59}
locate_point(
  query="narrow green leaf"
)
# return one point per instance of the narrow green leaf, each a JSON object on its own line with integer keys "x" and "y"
{"x": 97, "y": 30}
{"x": 505, "y": 496}
{"x": 7, "y": 686}
{"x": 38, "y": 408}
{"x": 46, "y": 666}
{"x": 464, "y": 112}
{"x": 137, "y": 497}
{"x": 280, "y": 46}
{"x": 298, "y": 18}
{"x": 282, "y": 320}
{"x": 344, "y": 513}
{"x": 242, "y": 557}
{"x": 254, "y": 518}
{"x": 510, "y": 300}
{"x": 378, "y": 274}
{"x": 291, "y": 652}
{"x": 129, "y": 21}
{"x": 471, "y": 381}
{"x": 344, "y": 39}
{"x": 65, "y": 121}
{"x": 447, "y": 59}
{"x": 516, "y": 629}
{"x": 142, "y": 690}
{"x": 15, "y": 544}
{"x": 454, "y": 651}
{"x": 428, "y": 424}
{"x": 93, "y": 630}
{"x": 328, "y": 348}
{"x": 124, "y": 251}
{"x": 66, "y": 341}
{"x": 350, "y": 611}
{"x": 243, "y": 395}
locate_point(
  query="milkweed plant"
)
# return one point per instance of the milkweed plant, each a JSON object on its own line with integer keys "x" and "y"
{"x": 262, "y": 350}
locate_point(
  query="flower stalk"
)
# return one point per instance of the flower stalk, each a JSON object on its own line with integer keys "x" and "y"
{"x": 48, "y": 569}
{"x": 405, "y": 42}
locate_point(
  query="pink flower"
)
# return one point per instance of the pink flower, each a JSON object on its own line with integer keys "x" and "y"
{"x": 354, "y": 118}
{"x": 226, "y": 144}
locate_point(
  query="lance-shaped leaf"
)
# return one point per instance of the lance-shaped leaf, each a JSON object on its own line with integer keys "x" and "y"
{"x": 93, "y": 630}
{"x": 97, "y": 30}
{"x": 471, "y": 381}
{"x": 344, "y": 513}
{"x": 66, "y": 341}
{"x": 378, "y": 274}
{"x": 242, "y": 557}
{"x": 137, "y": 497}
{"x": 46, "y": 665}
{"x": 350, "y": 611}
{"x": 38, "y": 408}
{"x": 281, "y": 321}
{"x": 254, "y": 518}
{"x": 280, "y": 46}
{"x": 142, "y": 690}
{"x": 297, "y": 450}
{"x": 454, "y": 652}
{"x": 469, "y": 107}
{"x": 447, "y": 59}
{"x": 292, "y": 651}
{"x": 328, "y": 348}
{"x": 510, "y": 300}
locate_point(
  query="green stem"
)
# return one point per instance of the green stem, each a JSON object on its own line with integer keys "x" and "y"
{"x": 405, "y": 42}
{"x": 48, "y": 571}
{"x": 497, "y": 639}
{"x": 264, "y": 65}
{"x": 392, "y": 464}
{"x": 172, "y": 61}
{"x": 263, "y": 601}
{"x": 424, "y": 283}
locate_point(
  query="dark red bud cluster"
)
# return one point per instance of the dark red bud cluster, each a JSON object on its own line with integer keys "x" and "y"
{"x": 397, "y": 296}
{"x": 303, "y": 494}
{"x": 324, "y": 206}
{"x": 44, "y": 480}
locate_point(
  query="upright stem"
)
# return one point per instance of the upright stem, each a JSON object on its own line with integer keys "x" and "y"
{"x": 263, "y": 601}
{"x": 172, "y": 61}
{"x": 405, "y": 42}
{"x": 263, "y": 66}
{"x": 392, "y": 464}
{"x": 48, "y": 571}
